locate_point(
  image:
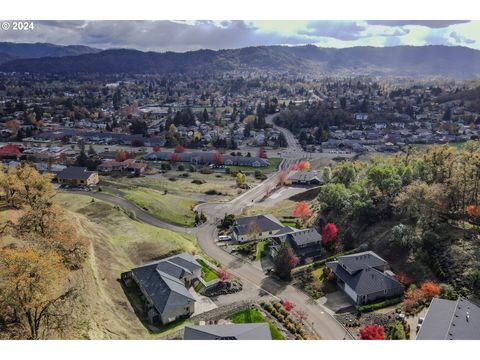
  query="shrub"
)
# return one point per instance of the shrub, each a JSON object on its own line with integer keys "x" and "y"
{"x": 206, "y": 171}
{"x": 380, "y": 305}
{"x": 181, "y": 167}
{"x": 212, "y": 192}
{"x": 198, "y": 182}
{"x": 192, "y": 168}
{"x": 291, "y": 328}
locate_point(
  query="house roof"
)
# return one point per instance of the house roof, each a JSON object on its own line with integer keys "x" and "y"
{"x": 257, "y": 331}
{"x": 305, "y": 176}
{"x": 367, "y": 281}
{"x": 162, "y": 281}
{"x": 265, "y": 223}
{"x": 451, "y": 320}
{"x": 358, "y": 261}
{"x": 75, "y": 173}
{"x": 305, "y": 237}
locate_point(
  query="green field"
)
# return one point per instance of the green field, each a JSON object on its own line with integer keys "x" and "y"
{"x": 250, "y": 316}
{"x": 166, "y": 207}
{"x": 208, "y": 274}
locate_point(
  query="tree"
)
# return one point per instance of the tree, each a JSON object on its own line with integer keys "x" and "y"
{"x": 240, "y": 179}
{"x": 32, "y": 286}
{"x": 179, "y": 149}
{"x": 430, "y": 289}
{"x": 218, "y": 158}
{"x": 262, "y": 154}
{"x": 288, "y": 305}
{"x": 281, "y": 177}
{"x": 157, "y": 148}
{"x": 329, "y": 234}
{"x": 174, "y": 157}
{"x": 284, "y": 261}
{"x": 405, "y": 236}
{"x": 372, "y": 332}
{"x": 91, "y": 150}
{"x": 327, "y": 174}
{"x": 403, "y": 278}
{"x": 302, "y": 211}
{"x": 223, "y": 275}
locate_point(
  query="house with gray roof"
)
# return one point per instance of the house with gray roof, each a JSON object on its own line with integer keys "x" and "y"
{"x": 363, "y": 277}
{"x": 256, "y": 331}
{"x": 256, "y": 227}
{"x": 450, "y": 320}
{"x": 164, "y": 287}
{"x": 306, "y": 243}
{"x": 311, "y": 177}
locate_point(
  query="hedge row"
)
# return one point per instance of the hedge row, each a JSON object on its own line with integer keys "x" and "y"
{"x": 380, "y": 305}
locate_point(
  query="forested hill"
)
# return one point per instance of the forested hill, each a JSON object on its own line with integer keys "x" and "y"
{"x": 421, "y": 61}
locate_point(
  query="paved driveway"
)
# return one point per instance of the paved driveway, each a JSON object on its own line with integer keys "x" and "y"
{"x": 202, "y": 303}
{"x": 337, "y": 301}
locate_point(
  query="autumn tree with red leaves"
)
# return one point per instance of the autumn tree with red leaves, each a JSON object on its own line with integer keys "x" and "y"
{"x": 330, "y": 234}
{"x": 430, "y": 289}
{"x": 302, "y": 211}
{"x": 288, "y": 305}
{"x": 179, "y": 149}
{"x": 174, "y": 158}
{"x": 223, "y": 275}
{"x": 372, "y": 332}
{"x": 218, "y": 158}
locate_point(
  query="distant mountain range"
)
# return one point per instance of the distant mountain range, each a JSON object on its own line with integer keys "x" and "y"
{"x": 415, "y": 61}
{"x": 11, "y": 51}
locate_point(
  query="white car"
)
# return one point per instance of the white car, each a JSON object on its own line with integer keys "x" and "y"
{"x": 224, "y": 238}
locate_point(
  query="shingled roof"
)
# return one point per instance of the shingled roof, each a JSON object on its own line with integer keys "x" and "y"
{"x": 451, "y": 320}
{"x": 265, "y": 223}
{"x": 257, "y": 331}
{"x": 360, "y": 272}
{"x": 161, "y": 281}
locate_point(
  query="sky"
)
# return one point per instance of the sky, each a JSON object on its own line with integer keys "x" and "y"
{"x": 193, "y": 35}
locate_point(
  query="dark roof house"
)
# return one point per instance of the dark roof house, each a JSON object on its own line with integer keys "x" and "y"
{"x": 256, "y": 331}
{"x": 164, "y": 285}
{"x": 306, "y": 242}
{"x": 363, "y": 278}
{"x": 451, "y": 320}
{"x": 256, "y": 227}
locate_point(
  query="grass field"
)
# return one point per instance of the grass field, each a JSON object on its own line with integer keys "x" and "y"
{"x": 250, "y": 316}
{"x": 208, "y": 274}
{"x": 272, "y": 167}
{"x": 282, "y": 211}
{"x": 142, "y": 242}
{"x": 185, "y": 187}
{"x": 173, "y": 209}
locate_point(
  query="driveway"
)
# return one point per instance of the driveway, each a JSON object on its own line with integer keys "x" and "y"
{"x": 337, "y": 302}
{"x": 202, "y": 303}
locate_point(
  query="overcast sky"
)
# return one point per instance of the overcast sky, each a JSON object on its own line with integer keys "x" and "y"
{"x": 194, "y": 35}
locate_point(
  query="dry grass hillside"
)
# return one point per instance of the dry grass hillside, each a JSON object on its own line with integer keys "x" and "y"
{"x": 117, "y": 243}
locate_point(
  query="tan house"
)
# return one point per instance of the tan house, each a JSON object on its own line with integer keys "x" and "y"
{"x": 77, "y": 176}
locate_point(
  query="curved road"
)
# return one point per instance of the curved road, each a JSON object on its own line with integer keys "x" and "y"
{"x": 319, "y": 318}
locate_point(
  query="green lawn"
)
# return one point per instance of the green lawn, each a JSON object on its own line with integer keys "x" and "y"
{"x": 272, "y": 167}
{"x": 208, "y": 274}
{"x": 170, "y": 208}
{"x": 328, "y": 286}
{"x": 250, "y": 316}
{"x": 261, "y": 250}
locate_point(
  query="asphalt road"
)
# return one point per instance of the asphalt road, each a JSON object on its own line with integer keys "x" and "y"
{"x": 325, "y": 326}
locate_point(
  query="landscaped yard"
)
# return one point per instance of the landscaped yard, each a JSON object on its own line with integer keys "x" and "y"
{"x": 261, "y": 249}
{"x": 170, "y": 208}
{"x": 208, "y": 274}
{"x": 282, "y": 211}
{"x": 250, "y": 316}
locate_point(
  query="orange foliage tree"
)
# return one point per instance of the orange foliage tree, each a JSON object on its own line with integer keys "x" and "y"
{"x": 302, "y": 211}
{"x": 430, "y": 289}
